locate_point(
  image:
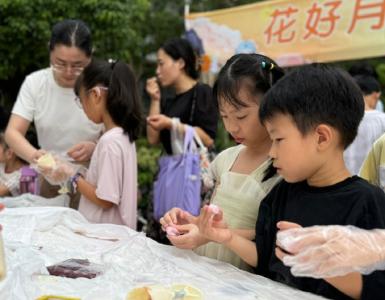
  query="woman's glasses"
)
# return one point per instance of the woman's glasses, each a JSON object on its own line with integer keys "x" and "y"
{"x": 98, "y": 88}
{"x": 62, "y": 68}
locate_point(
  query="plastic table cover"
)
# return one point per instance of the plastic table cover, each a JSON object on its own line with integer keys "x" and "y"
{"x": 36, "y": 237}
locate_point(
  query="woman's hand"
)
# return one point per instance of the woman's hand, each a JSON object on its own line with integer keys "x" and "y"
{"x": 159, "y": 122}
{"x": 82, "y": 151}
{"x": 37, "y": 154}
{"x": 152, "y": 88}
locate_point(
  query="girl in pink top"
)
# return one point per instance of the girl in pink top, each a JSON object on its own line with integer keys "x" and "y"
{"x": 108, "y": 94}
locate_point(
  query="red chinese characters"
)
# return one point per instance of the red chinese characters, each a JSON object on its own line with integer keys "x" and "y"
{"x": 321, "y": 20}
{"x": 281, "y": 25}
{"x": 368, "y": 9}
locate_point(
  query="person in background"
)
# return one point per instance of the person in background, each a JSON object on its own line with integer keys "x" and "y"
{"x": 10, "y": 165}
{"x": 193, "y": 103}
{"x": 46, "y": 99}
{"x": 372, "y": 125}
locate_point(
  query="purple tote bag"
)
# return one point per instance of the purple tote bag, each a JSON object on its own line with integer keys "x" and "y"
{"x": 178, "y": 183}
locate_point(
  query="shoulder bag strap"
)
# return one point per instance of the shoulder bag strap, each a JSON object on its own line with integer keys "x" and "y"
{"x": 193, "y": 104}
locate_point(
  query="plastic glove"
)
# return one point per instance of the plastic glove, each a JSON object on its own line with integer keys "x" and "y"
{"x": 55, "y": 169}
{"x": 329, "y": 251}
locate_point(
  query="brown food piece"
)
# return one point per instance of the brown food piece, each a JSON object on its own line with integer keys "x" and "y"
{"x": 73, "y": 268}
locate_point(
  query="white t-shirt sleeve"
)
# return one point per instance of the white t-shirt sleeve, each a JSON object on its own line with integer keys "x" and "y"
{"x": 110, "y": 172}
{"x": 25, "y": 103}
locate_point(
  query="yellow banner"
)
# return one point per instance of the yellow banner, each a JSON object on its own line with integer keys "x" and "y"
{"x": 294, "y": 32}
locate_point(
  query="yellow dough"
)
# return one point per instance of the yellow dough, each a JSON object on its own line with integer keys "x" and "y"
{"x": 46, "y": 161}
{"x": 158, "y": 292}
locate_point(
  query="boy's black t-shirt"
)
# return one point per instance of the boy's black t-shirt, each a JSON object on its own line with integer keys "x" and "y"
{"x": 205, "y": 114}
{"x": 351, "y": 202}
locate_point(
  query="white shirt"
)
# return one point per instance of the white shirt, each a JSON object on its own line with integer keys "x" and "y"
{"x": 371, "y": 128}
{"x": 10, "y": 180}
{"x": 60, "y": 123}
{"x": 113, "y": 170}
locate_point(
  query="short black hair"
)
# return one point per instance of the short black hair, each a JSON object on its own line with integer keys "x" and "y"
{"x": 259, "y": 72}
{"x": 317, "y": 94}
{"x": 123, "y": 102}
{"x": 179, "y": 48}
{"x": 71, "y": 33}
{"x": 368, "y": 84}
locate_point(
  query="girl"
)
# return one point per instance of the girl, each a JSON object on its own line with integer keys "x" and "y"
{"x": 108, "y": 95}
{"x": 242, "y": 173}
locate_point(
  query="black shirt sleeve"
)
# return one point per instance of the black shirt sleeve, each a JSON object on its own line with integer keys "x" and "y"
{"x": 373, "y": 217}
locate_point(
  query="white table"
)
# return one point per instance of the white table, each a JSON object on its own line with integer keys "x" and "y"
{"x": 36, "y": 237}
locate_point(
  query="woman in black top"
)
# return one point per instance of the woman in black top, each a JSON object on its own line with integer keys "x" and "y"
{"x": 193, "y": 103}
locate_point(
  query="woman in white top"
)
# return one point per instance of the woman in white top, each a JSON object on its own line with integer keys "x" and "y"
{"x": 243, "y": 174}
{"x": 46, "y": 98}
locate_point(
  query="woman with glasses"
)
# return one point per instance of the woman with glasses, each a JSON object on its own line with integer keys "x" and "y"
{"x": 46, "y": 98}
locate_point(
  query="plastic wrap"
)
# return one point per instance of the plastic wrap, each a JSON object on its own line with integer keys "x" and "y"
{"x": 329, "y": 251}
{"x": 129, "y": 260}
{"x": 57, "y": 170}
{"x": 30, "y": 200}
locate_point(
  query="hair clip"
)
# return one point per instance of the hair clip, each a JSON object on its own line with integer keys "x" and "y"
{"x": 112, "y": 62}
{"x": 265, "y": 65}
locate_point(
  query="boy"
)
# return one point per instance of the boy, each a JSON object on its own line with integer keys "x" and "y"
{"x": 312, "y": 115}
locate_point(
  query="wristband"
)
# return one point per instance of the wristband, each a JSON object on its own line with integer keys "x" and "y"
{"x": 74, "y": 182}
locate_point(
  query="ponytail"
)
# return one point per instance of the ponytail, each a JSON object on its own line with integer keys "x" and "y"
{"x": 122, "y": 101}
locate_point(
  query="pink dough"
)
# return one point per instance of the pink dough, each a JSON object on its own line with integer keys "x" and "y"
{"x": 214, "y": 209}
{"x": 172, "y": 231}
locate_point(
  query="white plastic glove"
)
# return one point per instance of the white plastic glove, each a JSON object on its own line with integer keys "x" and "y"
{"x": 56, "y": 170}
{"x": 329, "y": 251}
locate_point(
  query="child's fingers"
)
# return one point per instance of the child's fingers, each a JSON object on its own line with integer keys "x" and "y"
{"x": 284, "y": 225}
{"x": 279, "y": 253}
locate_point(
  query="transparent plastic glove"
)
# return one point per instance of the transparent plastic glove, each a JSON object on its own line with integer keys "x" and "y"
{"x": 329, "y": 251}
{"x": 56, "y": 169}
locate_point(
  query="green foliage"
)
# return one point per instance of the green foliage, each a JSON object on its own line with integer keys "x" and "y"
{"x": 147, "y": 168}
{"x": 25, "y": 30}
{"x": 25, "y": 25}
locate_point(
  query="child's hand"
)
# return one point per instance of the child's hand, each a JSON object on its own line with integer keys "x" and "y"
{"x": 177, "y": 216}
{"x": 189, "y": 237}
{"x": 159, "y": 122}
{"x": 212, "y": 226}
{"x": 280, "y": 250}
{"x": 152, "y": 88}
{"x": 82, "y": 151}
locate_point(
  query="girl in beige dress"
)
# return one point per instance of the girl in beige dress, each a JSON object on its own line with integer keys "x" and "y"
{"x": 243, "y": 174}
